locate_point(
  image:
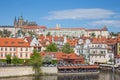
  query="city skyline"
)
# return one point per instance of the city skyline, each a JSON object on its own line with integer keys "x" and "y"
{"x": 67, "y": 13}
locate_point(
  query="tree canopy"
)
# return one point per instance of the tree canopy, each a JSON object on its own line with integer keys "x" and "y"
{"x": 67, "y": 49}
{"x": 36, "y": 62}
{"x": 5, "y": 33}
{"x": 48, "y": 34}
{"x": 52, "y": 48}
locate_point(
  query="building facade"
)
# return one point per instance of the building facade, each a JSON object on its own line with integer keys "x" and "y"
{"x": 14, "y": 47}
{"x": 99, "y": 53}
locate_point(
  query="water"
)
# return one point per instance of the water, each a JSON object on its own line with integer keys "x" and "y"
{"x": 103, "y": 75}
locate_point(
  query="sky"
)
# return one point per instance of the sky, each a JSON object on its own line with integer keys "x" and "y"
{"x": 68, "y": 13}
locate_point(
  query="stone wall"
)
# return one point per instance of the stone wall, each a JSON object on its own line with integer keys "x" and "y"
{"x": 20, "y": 71}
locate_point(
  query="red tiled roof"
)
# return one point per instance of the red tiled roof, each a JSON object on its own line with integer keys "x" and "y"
{"x": 118, "y": 38}
{"x": 61, "y": 55}
{"x": 111, "y": 41}
{"x": 34, "y": 27}
{"x": 58, "y": 38}
{"x": 99, "y": 40}
{"x": 29, "y": 39}
{"x": 72, "y": 42}
{"x": 13, "y": 42}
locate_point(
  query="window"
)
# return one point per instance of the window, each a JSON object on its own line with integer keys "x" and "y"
{"x": 26, "y": 55}
{"x": 117, "y": 61}
{"x": 1, "y": 55}
{"x": 5, "y": 49}
{"x": 26, "y": 49}
{"x": 21, "y": 49}
{"x": 20, "y": 54}
{"x": 14, "y": 49}
{"x": 10, "y": 49}
{"x": 1, "y": 49}
{"x": 101, "y": 52}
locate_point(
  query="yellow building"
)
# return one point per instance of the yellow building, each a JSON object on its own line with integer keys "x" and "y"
{"x": 118, "y": 45}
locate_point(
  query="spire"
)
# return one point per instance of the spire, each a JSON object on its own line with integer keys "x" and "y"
{"x": 20, "y": 18}
{"x": 15, "y": 20}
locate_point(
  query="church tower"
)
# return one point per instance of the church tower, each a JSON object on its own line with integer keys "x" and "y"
{"x": 15, "y": 23}
{"x": 20, "y": 22}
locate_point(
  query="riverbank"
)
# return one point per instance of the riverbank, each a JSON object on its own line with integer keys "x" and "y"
{"x": 27, "y": 70}
{"x": 23, "y": 71}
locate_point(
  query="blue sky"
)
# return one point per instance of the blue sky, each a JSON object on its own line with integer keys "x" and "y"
{"x": 67, "y": 13}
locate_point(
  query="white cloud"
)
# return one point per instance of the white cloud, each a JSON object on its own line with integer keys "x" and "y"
{"x": 109, "y": 23}
{"x": 94, "y": 13}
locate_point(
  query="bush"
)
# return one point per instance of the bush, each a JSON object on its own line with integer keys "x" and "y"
{"x": 54, "y": 62}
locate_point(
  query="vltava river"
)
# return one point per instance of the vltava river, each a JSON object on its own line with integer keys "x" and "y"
{"x": 103, "y": 75}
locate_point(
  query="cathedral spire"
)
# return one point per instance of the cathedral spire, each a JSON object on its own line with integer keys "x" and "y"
{"x": 15, "y": 22}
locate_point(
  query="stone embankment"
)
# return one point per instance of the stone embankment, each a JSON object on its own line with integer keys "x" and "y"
{"x": 26, "y": 70}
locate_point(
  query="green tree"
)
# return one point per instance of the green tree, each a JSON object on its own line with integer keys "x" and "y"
{"x": 15, "y": 60}
{"x": 47, "y": 59}
{"x": 8, "y": 59}
{"x": 0, "y": 33}
{"x": 36, "y": 62}
{"x": 52, "y": 48}
{"x": 93, "y": 35}
{"x": 67, "y": 49}
{"x": 48, "y": 34}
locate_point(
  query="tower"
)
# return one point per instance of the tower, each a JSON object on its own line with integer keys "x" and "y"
{"x": 15, "y": 23}
{"x": 20, "y": 22}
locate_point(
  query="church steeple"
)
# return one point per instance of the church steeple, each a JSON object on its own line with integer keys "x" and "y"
{"x": 15, "y": 22}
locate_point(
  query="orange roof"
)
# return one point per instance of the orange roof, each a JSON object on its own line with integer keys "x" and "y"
{"x": 29, "y": 39}
{"x": 34, "y": 27}
{"x": 117, "y": 56}
{"x": 58, "y": 38}
{"x": 111, "y": 41}
{"x": 61, "y": 55}
{"x": 13, "y": 42}
{"x": 72, "y": 42}
{"x": 43, "y": 38}
{"x": 118, "y": 38}
{"x": 99, "y": 40}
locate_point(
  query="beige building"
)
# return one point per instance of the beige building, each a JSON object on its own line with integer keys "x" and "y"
{"x": 78, "y": 32}
{"x": 118, "y": 45}
{"x": 14, "y": 47}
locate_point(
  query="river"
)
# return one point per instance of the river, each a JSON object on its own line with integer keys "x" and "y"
{"x": 103, "y": 75}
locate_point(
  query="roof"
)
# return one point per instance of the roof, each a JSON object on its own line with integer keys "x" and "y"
{"x": 117, "y": 56}
{"x": 118, "y": 38}
{"x": 58, "y": 38}
{"x": 61, "y": 55}
{"x": 13, "y": 42}
{"x": 34, "y": 27}
{"x": 72, "y": 42}
{"x": 29, "y": 39}
{"x": 103, "y": 29}
{"x": 111, "y": 41}
{"x": 99, "y": 40}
